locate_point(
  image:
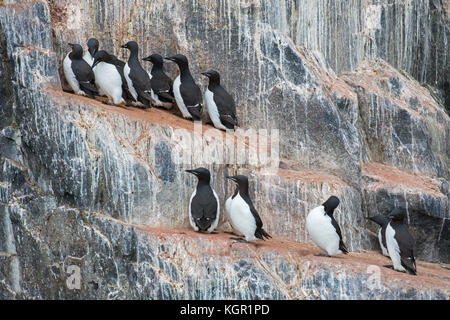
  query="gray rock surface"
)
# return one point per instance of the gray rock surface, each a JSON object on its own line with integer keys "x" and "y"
{"x": 97, "y": 187}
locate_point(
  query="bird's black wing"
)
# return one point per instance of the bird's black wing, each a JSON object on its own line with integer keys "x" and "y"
{"x": 260, "y": 233}
{"x": 84, "y": 75}
{"x": 141, "y": 81}
{"x": 226, "y": 107}
{"x": 190, "y": 92}
{"x": 383, "y": 234}
{"x": 342, "y": 246}
{"x": 162, "y": 86}
{"x": 406, "y": 245}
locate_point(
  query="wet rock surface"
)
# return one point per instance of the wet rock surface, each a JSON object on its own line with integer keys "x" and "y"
{"x": 96, "y": 187}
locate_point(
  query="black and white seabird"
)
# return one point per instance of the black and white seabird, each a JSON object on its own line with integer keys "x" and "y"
{"x": 187, "y": 93}
{"x": 204, "y": 205}
{"x": 242, "y": 214}
{"x": 109, "y": 76}
{"x": 382, "y": 221}
{"x": 400, "y": 243}
{"x": 137, "y": 78}
{"x": 219, "y": 103}
{"x": 91, "y": 51}
{"x": 323, "y": 228}
{"x": 78, "y": 72}
{"x": 161, "y": 90}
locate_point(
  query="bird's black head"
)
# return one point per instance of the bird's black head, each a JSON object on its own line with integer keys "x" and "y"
{"x": 331, "y": 204}
{"x": 155, "y": 59}
{"x": 213, "y": 75}
{"x": 179, "y": 59}
{"x": 77, "y": 51}
{"x": 398, "y": 215}
{"x": 131, "y": 45}
{"x": 202, "y": 174}
{"x": 380, "y": 220}
{"x": 92, "y": 46}
{"x": 100, "y": 56}
{"x": 242, "y": 182}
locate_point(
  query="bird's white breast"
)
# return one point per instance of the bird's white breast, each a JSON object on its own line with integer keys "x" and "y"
{"x": 108, "y": 79}
{"x": 179, "y": 99}
{"x": 322, "y": 232}
{"x": 213, "y": 111}
{"x": 393, "y": 248}
{"x": 70, "y": 76}
{"x": 241, "y": 218}
{"x": 126, "y": 72}
{"x": 88, "y": 58}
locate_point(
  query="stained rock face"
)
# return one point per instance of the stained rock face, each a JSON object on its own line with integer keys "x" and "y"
{"x": 100, "y": 189}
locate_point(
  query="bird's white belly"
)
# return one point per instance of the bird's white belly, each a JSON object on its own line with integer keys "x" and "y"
{"x": 322, "y": 232}
{"x": 108, "y": 79}
{"x": 70, "y": 76}
{"x": 126, "y": 72}
{"x": 179, "y": 99}
{"x": 241, "y": 218}
{"x": 213, "y": 111}
{"x": 393, "y": 249}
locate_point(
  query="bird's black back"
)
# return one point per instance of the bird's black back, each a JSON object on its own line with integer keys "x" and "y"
{"x": 342, "y": 246}
{"x": 204, "y": 205}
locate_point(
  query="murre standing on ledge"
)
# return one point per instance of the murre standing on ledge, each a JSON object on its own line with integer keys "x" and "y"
{"x": 242, "y": 214}
{"x": 187, "y": 93}
{"x": 219, "y": 102}
{"x": 92, "y": 50}
{"x": 161, "y": 89}
{"x": 323, "y": 228}
{"x": 79, "y": 73}
{"x": 137, "y": 78}
{"x": 204, "y": 205}
{"x": 400, "y": 243}
{"x": 108, "y": 77}
{"x": 382, "y": 221}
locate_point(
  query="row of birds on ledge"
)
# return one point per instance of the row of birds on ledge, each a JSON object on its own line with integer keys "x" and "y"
{"x": 204, "y": 208}
{"x": 97, "y": 72}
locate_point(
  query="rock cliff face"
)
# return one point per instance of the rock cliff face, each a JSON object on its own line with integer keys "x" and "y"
{"x": 98, "y": 187}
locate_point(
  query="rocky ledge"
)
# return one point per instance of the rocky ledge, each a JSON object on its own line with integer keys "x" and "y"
{"x": 93, "y": 203}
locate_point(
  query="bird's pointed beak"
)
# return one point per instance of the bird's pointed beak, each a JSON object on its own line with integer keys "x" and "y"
{"x": 71, "y": 45}
{"x": 169, "y": 58}
{"x": 147, "y": 59}
{"x": 206, "y": 74}
{"x": 231, "y": 178}
{"x": 123, "y": 46}
{"x": 191, "y": 171}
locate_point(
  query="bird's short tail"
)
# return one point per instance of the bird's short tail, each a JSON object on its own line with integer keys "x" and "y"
{"x": 263, "y": 234}
{"x": 342, "y": 247}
